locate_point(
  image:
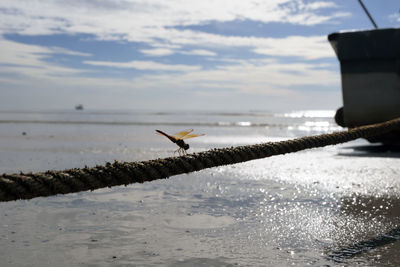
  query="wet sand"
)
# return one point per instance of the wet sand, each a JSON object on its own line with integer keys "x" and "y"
{"x": 334, "y": 206}
{"x": 294, "y": 209}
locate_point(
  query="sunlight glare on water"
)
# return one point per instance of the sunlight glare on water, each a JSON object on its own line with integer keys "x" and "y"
{"x": 311, "y": 114}
{"x": 293, "y": 209}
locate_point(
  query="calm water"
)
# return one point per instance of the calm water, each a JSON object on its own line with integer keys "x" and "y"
{"x": 331, "y": 206}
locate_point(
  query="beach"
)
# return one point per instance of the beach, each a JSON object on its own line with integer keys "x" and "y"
{"x": 335, "y": 206}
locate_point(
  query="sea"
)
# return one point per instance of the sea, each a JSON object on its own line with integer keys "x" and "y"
{"x": 332, "y": 206}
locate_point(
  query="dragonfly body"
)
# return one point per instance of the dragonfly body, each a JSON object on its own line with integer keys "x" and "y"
{"x": 178, "y": 139}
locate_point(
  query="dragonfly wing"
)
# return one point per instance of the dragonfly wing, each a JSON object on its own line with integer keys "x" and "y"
{"x": 180, "y": 135}
{"x": 191, "y": 136}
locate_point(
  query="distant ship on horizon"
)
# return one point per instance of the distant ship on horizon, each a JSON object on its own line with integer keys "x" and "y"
{"x": 79, "y": 107}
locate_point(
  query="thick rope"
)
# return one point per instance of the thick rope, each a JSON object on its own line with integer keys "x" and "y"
{"x": 30, "y": 185}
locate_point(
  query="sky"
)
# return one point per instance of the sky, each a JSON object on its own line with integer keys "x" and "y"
{"x": 177, "y": 54}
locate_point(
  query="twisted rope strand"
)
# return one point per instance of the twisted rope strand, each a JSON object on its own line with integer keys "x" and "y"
{"x": 31, "y": 185}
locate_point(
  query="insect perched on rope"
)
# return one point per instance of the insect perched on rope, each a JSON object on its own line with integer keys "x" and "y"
{"x": 178, "y": 139}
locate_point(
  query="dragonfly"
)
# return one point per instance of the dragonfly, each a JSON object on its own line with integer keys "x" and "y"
{"x": 178, "y": 139}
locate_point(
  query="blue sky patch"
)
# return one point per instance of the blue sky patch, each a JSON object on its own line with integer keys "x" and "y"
{"x": 261, "y": 51}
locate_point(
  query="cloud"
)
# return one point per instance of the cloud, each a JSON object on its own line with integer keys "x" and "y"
{"x": 144, "y": 65}
{"x": 261, "y": 76}
{"x": 307, "y": 47}
{"x": 169, "y": 86}
{"x": 160, "y": 28}
{"x": 155, "y": 23}
{"x": 265, "y": 77}
{"x": 244, "y": 75}
{"x": 157, "y": 52}
{"x": 312, "y": 47}
{"x": 320, "y": 5}
{"x": 394, "y": 17}
{"x": 200, "y": 52}
{"x": 14, "y": 53}
{"x": 139, "y": 20}
{"x": 268, "y": 77}
{"x": 29, "y": 60}
{"x": 60, "y": 50}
